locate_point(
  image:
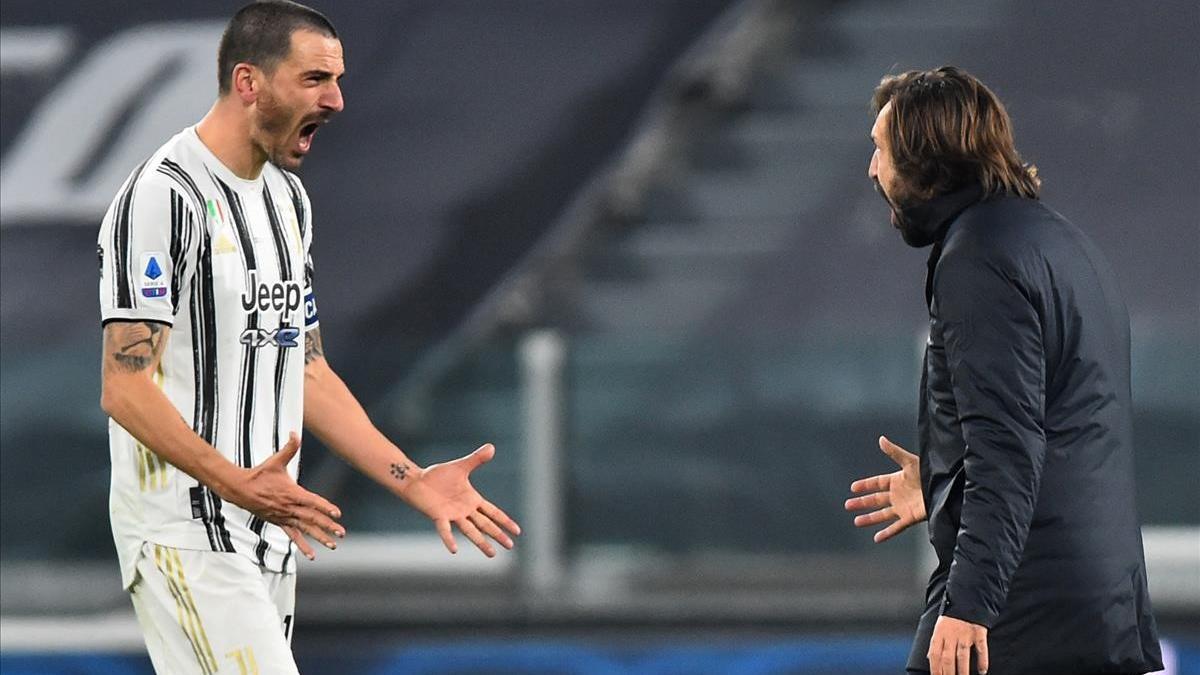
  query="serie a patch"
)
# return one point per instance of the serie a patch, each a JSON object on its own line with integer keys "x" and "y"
{"x": 153, "y": 280}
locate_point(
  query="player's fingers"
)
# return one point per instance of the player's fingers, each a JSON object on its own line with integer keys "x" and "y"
{"x": 316, "y": 502}
{"x": 499, "y": 516}
{"x": 288, "y": 451}
{"x": 490, "y": 528}
{"x": 934, "y": 655}
{"x": 468, "y": 528}
{"x": 946, "y": 659}
{"x": 981, "y": 653}
{"x": 482, "y": 455}
{"x": 301, "y": 544}
{"x": 962, "y": 658}
{"x": 443, "y": 530}
{"x": 875, "y": 517}
{"x": 898, "y": 454}
{"x": 890, "y": 531}
{"x": 872, "y": 484}
{"x": 871, "y": 501}
{"x": 313, "y": 530}
{"x": 324, "y": 524}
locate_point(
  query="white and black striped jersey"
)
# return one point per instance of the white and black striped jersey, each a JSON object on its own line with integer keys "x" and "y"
{"x": 225, "y": 262}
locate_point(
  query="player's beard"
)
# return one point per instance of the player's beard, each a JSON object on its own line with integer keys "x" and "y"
{"x": 897, "y": 205}
{"x": 276, "y": 126}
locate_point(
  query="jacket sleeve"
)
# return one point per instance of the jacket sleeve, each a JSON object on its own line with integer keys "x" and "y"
{"x": 992, "y": 331}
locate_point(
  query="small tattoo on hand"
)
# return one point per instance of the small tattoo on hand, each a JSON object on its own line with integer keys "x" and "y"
{"x": 399, "y": 471}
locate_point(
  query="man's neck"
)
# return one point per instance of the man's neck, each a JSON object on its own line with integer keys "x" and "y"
{"x": 226, "y": 132}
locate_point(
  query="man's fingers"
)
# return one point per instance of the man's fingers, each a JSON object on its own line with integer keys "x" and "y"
{"x": 499, "y": 516}
{"x": 318, "y": 503}
{"x": 981, "y": 652}
{"x": 443, "y": 530}
{"x": 490, "y": 528}
{"x": 288, "y": 451}
{"x": 871, "y": 501}
{"x": 934, "y": 655}
{"x": 482, "y": 455}
{"x": 301, "y": 544}
{"x": 468, "y": 528}
{"x": 874, "y": 517}
{"x": 890, "y": 531}
{"x": 898, "y": 454}
{"x": 946, "y": 660}
{"x": 324, "y": 526}
{"x": 872, "y": 484}
{"x": 962, "y": 658}
{"x": 305, "y": 524}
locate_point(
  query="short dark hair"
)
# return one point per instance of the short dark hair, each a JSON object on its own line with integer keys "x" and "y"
{"x": 947, "y": 129}
{"x": 261, "y": 33}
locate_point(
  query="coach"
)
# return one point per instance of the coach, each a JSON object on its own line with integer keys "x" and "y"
{"x": 1025, "y": 468}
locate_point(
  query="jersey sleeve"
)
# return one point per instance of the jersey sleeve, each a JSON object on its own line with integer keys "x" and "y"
{"x": 147, "y": 249}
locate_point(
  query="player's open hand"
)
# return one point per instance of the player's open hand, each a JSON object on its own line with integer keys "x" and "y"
{"x": 894, "y": 496}
{"x": 269, "y": 492}
{"x": 444, "y": 493}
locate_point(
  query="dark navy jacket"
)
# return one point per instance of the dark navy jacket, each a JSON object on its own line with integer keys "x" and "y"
{"x": 1026, "y": 444}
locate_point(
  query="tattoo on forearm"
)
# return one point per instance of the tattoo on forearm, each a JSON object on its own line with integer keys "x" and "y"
{"x": 399, "y": 471}
{"x": 134, "y": 346}
{"x": 313, "y": 349}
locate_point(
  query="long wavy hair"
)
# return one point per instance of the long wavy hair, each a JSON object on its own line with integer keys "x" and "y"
{"x": 947, "y": 130}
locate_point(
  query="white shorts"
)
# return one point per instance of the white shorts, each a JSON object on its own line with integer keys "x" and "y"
{"x": 208, "y": 612}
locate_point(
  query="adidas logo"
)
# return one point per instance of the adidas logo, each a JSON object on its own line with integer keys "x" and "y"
{"x": 224, "y": 245}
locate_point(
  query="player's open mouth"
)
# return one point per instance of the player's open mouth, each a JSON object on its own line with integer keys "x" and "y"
{"x": 306, "y": 135}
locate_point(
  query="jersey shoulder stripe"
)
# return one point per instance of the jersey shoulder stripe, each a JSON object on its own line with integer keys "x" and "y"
{"x": 122, "y": 223}
{"x": 171, "y": 169}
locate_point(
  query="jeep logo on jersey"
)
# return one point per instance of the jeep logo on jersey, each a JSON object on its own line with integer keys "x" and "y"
{"x": 284, "y": 336}
{"x": 281, "y": 296}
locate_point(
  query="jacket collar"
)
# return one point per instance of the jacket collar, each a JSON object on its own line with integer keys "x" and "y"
{"x": 926, "y": 223}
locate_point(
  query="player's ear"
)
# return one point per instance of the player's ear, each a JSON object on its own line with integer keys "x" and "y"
{"x": 246, "y": 82}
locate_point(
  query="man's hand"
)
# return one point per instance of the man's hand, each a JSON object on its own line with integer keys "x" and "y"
{"x": 132, "y": 350}
{"x": 443, "y": 492}
{"x": 895, "y": 496}
{"x": 270, "y": 493}
{"x": 951, "y": 645}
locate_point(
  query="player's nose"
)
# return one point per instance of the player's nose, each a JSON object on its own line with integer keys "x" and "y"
{"x": 332, "y": 99}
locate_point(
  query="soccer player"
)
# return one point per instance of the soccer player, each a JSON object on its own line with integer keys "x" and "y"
{"x": 213, "y": 360}
{"x": 1026, "y": 444}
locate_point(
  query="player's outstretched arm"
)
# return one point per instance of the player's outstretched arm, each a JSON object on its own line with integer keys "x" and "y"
{"x": 443, "y": 492}
{"x": 132, "y": 351}
{"x": 893, "y": 496}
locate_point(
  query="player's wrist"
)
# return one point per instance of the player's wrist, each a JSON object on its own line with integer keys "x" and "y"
{"x": 403, "y": 476}
{"x": 225, "y": 479}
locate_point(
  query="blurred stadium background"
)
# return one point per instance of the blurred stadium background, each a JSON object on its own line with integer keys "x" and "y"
{"x": 632, "y": 243}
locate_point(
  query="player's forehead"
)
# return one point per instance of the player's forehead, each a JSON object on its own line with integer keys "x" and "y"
{"x": 311, "y": 50}
{"x": 879, "y": 128}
